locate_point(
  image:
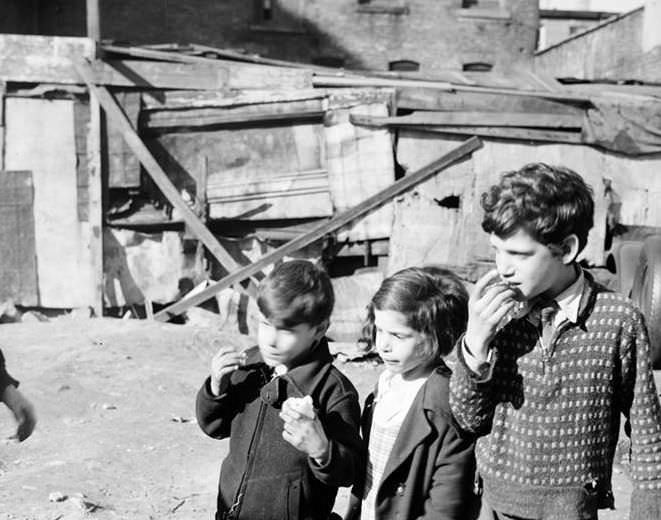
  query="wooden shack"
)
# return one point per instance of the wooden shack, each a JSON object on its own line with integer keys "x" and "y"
{"x": 112, "y": 207}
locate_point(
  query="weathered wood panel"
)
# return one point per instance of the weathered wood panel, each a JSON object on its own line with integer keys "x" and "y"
{"x": 244, "y": 155}
{"x": 41, "y": 138}
{"x": 18, "y": 267}
{"x": 123, "y": 164}
{"x": 431, "y": 99}
{"x": 443, "y": 223}
{"x": 360, "y": 160}
{"x": 241, "y": 114}
{"x": 41, "y": 58}
{"x": 300, "y": 194}
{"x": 48, "y": 59}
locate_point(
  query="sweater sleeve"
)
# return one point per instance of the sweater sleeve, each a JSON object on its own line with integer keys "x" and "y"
{"x": 471, "y": 395}
{"x": 5, "y": 379}
{"x": 640, "y": 404}
{"x": 341, "y": 422}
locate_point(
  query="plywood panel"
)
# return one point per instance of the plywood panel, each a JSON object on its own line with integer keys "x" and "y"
{"x": 40, "y": 137}
{"x": 18, "y": 268}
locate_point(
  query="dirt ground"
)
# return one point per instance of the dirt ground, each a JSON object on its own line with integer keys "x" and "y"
{"x": 116, "y": 434}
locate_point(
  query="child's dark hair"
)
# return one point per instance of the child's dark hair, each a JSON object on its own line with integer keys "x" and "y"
{"x": 548, "y": 202}
{"x": 296, "y": 292}
{"x": 433, "y": 299}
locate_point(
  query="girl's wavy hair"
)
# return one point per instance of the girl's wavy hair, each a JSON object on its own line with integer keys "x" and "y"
{"x": 433, "y": 300}
{"x": 296, "y": 292}
{"x": 548, "y": 202}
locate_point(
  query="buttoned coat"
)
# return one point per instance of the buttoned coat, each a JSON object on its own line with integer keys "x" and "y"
{"x": 264, "y": 477}
{"x": 431, "y": 468}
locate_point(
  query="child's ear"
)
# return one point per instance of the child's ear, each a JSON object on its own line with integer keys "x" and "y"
{"x": 570, "y": 249}
{"x": 321, "y": 330}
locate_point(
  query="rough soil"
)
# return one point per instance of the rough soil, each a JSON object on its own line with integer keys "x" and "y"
{"x": 116, "y": 434}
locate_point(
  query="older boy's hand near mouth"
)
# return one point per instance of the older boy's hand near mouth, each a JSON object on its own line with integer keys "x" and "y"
{"x": 490, "y": 307}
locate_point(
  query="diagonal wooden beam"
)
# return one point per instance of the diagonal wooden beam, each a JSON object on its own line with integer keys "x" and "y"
{"x": 117, "y": 117}
{"x": 319, "y": 231}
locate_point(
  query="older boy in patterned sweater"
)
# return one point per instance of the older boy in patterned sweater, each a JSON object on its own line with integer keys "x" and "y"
{"x": 550, "y": 360}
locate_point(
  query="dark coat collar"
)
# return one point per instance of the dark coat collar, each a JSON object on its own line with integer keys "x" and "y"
{"x": 299, "y": 381}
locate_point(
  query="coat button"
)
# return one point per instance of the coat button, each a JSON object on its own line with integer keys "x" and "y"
{"x": 400, "y": 489}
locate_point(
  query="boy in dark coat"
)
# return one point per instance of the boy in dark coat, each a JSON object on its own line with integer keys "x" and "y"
{"x": 291, "y": 416}
{"x": 550, "y": 361}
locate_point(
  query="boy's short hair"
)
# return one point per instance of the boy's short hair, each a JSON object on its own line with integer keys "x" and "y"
{"x": 296, "y": 292}
{"x": 433, "y": 299}
{"x": 548, "y": 202}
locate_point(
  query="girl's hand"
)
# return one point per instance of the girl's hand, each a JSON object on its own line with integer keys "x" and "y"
{"x": 490, "y": 308}
{"x": 302, "y": 428}
{"x": 226, "y": 361}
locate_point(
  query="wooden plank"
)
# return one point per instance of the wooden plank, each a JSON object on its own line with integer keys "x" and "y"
{"x": 239, "y": 75}
{"x": 482, "y": 119}
{"x": 323, "y": 229}
{"x": 430, "y": 99}
{"x": 155, "y": 171}
{"x": 123, "y": 165}
{"x": 178, "y": 99}
{"x": 93, "y": 22}
{"x": 334, "y": 81}
{"x": 301, "y": 194}
{"x": 18, "y": 267}
{"x": 525, "y": 134}
{"x": 135, "y": 73}
{"x": 301, "y": 110}
{"x": 36, "y": 59}
{"x": 95, "y": 204}
{"x": 2, "y": 124}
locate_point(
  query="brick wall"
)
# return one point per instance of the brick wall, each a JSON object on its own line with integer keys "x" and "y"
{"x": 438, "y": 34}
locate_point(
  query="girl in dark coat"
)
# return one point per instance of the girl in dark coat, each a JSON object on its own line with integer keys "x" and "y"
{"x": 420, "y": 465}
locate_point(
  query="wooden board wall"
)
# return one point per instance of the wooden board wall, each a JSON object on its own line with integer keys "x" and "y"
{"x": 360, "y": 160}
{"x": 40, "y": 137}
{"x": 425, "y": 231}
{"x": 18, "y": 268}
{"x": 48, "y": 59}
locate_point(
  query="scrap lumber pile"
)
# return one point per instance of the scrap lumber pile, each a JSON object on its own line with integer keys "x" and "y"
{"x": 218, "y": 164}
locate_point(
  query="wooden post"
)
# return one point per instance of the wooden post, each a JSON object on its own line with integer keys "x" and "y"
{"x": 323, "y": 229}
{"x": 95, "y": 190}
{"x": 93, "y": 22}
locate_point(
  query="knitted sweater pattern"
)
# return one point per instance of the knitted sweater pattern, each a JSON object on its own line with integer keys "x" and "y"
{"x": 553, "y": 416}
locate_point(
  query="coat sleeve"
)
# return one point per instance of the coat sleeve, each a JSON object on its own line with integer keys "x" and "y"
{"x": 451, "y": 494}
{"x": 5, "y": 379}
{"x": 216, "y": 413}
{"x": 471, "y": 395}
{"x": 341, "y": 421}
{"x": 639, "y": 403}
